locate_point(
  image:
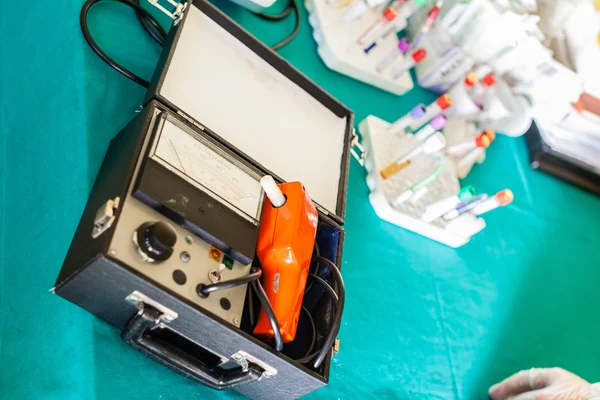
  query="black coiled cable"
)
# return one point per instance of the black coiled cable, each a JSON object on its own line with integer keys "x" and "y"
{"x": 144, "y": 16}
{"x": 158, "y": 33}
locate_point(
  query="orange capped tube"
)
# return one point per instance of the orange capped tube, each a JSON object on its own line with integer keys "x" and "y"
{"x": 482, "y": 141}
{"x": 471, "y": 79}
{"x": 500, "y": 199}
{"x": 285, "y": 245}
{"x": 415, "y": 57}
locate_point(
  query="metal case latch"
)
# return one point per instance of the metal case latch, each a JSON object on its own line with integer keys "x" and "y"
{"x": 139, "y": 299}
{"x": 243, "y": 359}
{"x": 105, "y": 216}
{"x": 178, "y": 10}
{"x": 357, "y": 150}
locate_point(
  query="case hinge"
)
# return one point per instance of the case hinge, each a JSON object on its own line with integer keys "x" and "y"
{"x": 190, "y": 120}
{"x": 357, "y": 150}
{"x": 177, "y": 12}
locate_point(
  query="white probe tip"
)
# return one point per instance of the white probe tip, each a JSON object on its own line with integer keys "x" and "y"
{"x": 272, "y": 191}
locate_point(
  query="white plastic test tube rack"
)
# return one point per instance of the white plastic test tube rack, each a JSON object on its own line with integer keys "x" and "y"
{"x": 339, "y": 50}
{"x": 381, "y": 149}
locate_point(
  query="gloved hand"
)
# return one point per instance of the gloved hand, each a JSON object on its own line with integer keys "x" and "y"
{"x": 544, "y": 384}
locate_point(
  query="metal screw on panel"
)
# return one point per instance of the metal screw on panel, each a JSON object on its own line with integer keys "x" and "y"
{"x": 113, "y": 252}
{"x": 188, "y": 240}
{"x": 185, "y": 256}
{"x": 236, "y": 356}
{"x": 235, "y": 321}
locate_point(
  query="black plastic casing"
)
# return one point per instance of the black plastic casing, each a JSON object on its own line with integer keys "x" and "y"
{"x": 98, "y": 282}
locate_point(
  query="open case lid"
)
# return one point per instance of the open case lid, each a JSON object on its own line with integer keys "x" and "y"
{"x": 254, "y": 102}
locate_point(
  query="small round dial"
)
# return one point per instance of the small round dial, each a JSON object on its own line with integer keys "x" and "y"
{"x": 156, "y": 240}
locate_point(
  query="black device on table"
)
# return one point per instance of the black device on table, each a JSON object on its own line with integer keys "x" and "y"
{"x": 177, "y": 203}
{"x": 543, "y": 157}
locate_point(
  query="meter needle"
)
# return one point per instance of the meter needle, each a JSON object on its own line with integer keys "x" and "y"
{"x": 177, "y": 155}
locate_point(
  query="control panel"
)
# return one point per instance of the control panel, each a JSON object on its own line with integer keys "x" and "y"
{"x": 189, "y": 203}
{"x": 174, "y": 258}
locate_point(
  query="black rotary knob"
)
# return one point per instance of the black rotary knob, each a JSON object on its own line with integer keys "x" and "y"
{"x": 156, "y": 240}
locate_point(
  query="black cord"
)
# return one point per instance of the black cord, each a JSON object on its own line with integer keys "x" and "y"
{"x": 337, "y": 321}
{"x": 314, "y": 331}
{"x": 334, "y": 297}
{"x": 317, "y": 251}
{"x": 250, "y": 306}
{"x": 309, "y": 357}
{"x": 328, "y": 289}
{"x": 276, "y": 17}
{"x": 264, "y": 300}
{"x": 204, "y": 290}
{"x": 158, "y": 33}
{"x": 294, "y": 33}
{"x": 88, "y": 37}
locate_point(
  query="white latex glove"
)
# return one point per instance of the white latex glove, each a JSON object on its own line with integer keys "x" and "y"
{"x": 545, "y": 384}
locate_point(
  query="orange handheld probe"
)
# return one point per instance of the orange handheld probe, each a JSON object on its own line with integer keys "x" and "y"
{"x": 285, "y": 245}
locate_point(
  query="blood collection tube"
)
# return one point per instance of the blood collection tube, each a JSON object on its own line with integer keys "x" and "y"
{"x": 488, "y": 80}
{"x": 375, "y": 3}
{"x": 465, "y": 206}
{"x": 416, "y": 57}
{"x": 440, "y": 104}
{"x": 431, "y": 17}
{"x": 471, "y": 79}
{"x": 434, "y": 143}
{"x": 481, "y": 141}
{"x": 355, "y": 10}
{"x": 439, "y": 208}
{"x": 435, "y": 108}
{"x": 482, "y": 69}
{"x": 403, "y": 46}
{"x": 500, "y": 199}
{"x": 433, "y": 126}
{"x": 418, "y": 195}
{"x": 432, "y": 110}
{"x": 419, "y": 188}
{"x": 490, "y": 134}
{"x": 477, "y": 91}
{"x": 408, "y": 7}
{"x": 401, "y": 123}
{"x": 398, "y": 8}
{"x": 368, "y": 36}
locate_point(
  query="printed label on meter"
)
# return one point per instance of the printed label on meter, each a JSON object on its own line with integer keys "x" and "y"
{"x": 205, "y": 168}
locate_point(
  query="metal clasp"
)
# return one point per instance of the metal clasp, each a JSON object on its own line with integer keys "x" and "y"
{"x": 357, "y": 150}
{"x": 243, "y": 359}
{"x": 178, "y": 10}
{"x": 105, "y": 217}
{"x": 336, "y": 346}
{"x": 139, "y": 299}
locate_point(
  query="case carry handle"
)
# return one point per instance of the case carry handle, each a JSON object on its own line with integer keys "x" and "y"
{"x": 136, "y": 334}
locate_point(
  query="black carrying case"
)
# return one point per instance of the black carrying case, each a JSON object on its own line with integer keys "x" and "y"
{"x": 194, "y": 342}
{"x": 544, "y": 158}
